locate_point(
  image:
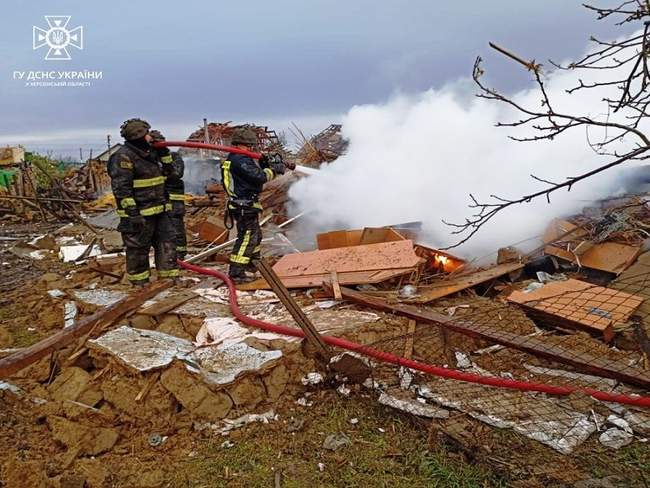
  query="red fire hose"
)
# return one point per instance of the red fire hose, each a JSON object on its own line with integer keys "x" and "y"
{"x": 409, "y": 363}
{"x": 204, "y": 145}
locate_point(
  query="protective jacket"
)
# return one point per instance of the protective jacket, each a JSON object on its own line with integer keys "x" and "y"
{"x": 138, "y": 181}
{"x": 174, "y": 172}
{"x": 243, "y": 179}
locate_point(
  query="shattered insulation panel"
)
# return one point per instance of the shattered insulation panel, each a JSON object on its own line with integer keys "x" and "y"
{"x": 142, "y": 350}
{"x": 222, "y": 364}
{"x": 546, "y": 420}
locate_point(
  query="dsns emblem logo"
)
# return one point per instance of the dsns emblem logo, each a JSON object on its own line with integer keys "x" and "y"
{"x": 58, "y": 38}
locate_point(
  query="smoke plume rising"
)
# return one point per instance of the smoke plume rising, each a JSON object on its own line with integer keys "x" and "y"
{"x": 417, "y": 157}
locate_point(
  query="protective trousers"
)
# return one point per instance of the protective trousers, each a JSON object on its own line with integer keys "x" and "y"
{"x": 177, "y": 214}
{"x": 249, "y": 237}
{"x": 139, "y": 236}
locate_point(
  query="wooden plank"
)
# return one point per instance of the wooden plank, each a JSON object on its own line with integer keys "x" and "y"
{"x": 532, "y": 345}
{"x": 352, "y": 278}
{"x": 336, "y": 287}
{"x": 311, "y": 333}
{"x": 104, "y": 317}
{"x": 168, "y": 304}
{"x": 578, "y": 304}
{"x": 408, "y": 347}
{"x": 454, "y": 285}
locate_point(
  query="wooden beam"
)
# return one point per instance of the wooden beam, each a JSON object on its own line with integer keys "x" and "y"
{"x": 408, "y": 346}
{"x": 103, "y": 318}
{"x": 311, "y": 334}
{"x": 532, "y": 345}
{"x": 336, "y": 287}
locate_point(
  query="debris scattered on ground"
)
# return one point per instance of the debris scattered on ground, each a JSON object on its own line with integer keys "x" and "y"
{"x": 334, "y": 442}
{"x": 615, "y": 438}
{"x": 572, "y": 317}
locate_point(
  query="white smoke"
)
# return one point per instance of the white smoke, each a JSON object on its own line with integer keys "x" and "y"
{"x": 417, "y": 157}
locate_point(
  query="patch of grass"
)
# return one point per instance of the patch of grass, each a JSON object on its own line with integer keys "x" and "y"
{"x": 397, "y": 457}
{"x": 23, "y": 337}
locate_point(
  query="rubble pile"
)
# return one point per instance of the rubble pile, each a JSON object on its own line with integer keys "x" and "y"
{"x": 88, "y": 181}
{"x": 324, "y": 147}
{"x": 552, "y": 345}
{"x": 221, "y": 133}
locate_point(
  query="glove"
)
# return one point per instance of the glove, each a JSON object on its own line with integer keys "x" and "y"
{"x": 264, "y": 161}
{"x": 135, "y": 220}
{"x": 277, "y": 158}
{"x": 156, "y": 136}
{"x": 278, "y": 168}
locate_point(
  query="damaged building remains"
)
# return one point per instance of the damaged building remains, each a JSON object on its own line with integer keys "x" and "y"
{"x": 551, "y": 345}
{"x": 226, "y": 309}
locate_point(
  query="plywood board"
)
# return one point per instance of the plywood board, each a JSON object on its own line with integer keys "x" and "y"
{"x": 338, "y": 238}
{"x": 454, "y": 285}
{"x": 372, "y": 257}
{"x": 374, "y": 235}
{"x": 606, "y": 256}
{"x": 367, "y": 235}
{"x": 580, "y": 304}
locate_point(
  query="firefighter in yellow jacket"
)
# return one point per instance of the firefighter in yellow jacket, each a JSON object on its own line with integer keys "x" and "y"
{"x": 138, "y": 183}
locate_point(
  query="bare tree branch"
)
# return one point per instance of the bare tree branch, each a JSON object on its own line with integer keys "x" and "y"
{"x": 627, "y": 60}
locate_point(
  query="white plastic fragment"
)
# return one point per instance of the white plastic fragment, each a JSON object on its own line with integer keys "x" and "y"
{"x": 303, "y": 402}
{"x": 70, "y": 312}
{"x": 615, "y": 438}
{"x": 39, "y": 254}
{"x": 413, "y": 407}
{"x": 354, "y": 421}
{"x": 462, "y": 360}
{"x": 72, "y": 253}
{"x": 227, "y": 331}
{"x": 321, "y": 467}
{"x": 312, "y": 379}
{"x": 233, "y": 424}
{"x": 343, "y": 390}
{"x": 10, "y": 387}
{"x": 405, "y": 377}
{"x": 620, "y": 423}
{"x": 56, "y": 293}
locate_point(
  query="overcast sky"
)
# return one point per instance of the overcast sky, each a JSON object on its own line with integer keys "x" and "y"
{"x": 271, "y": 62}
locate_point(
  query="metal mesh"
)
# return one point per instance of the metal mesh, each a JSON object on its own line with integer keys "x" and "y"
{"x": 580, "y": 341}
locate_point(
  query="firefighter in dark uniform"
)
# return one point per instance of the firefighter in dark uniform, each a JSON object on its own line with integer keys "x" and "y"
{"x": 138, "y": 185}
{"x": 243, "y": 179}
{"x": 175, "y": 190}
